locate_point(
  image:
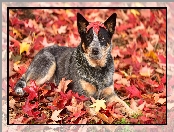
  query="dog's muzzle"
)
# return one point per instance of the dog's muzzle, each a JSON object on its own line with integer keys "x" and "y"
{"x": 95, "y": 53}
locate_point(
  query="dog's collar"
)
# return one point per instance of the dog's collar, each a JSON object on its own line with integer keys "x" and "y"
{"x": 96, "y": 26}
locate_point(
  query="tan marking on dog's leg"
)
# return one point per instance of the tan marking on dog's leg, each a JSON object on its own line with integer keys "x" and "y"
{"x": 89, "y": 88}
{"x": 108, "y": 91}
{"x": 48, "y": 76}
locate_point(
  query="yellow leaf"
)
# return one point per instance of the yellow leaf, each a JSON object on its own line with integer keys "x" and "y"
{"x": 152, "y": 55}
{"x": 135, "y": 12}
{"x": 24, "y": 46}
{"x": 15, "y": 31}
{"x": 98, "y": 105}
{"x": 69, "y": 13}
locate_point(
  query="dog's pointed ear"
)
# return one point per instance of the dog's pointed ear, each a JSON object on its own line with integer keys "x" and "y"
{"x": 82, "y": 23}
{"x": 110, "y": 23}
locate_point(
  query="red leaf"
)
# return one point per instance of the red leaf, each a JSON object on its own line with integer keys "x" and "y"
{"x": 28, "y": 108}
{"x": 32, "y": 90}
{"x": 63, "y": 99}
{"x": 78, "y": 114}
{"x": 162, "y": 59}
{"x": 160, "y": 88}
{"x": 12, "y": 82}
{"x": 124, "y": 27}
{"x": 96, "y": 26}
{"x": 144, "y": 118}
{"x": 22, "y": 70}
{"x": 133, "y": 91}
{"x": 80, "y": 98}
{"x": 152, "y": 18}
{"x": 132, "y": 18}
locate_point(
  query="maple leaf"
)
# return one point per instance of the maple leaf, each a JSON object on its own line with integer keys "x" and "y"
{"x": 55, "y": 115}
{"x": 63, "y": 99}
{"x": 12, "y": 82}
{"x": 83, "y": 121}
{"x": 17, "y": 120}
{"x": 28, "y": 108}
{"x": 162, "y": 59}
{"x": 133, "y": 91}
{"x": 32, "y": 90}
{"x": 136, "y": 108}
{"x": 145, "y": 71}
{"x": 161, "y": 100}
{"x": 144, "y": 118}
{"x": 80, "y": 98}
{"x": 124, "y": 81}
{"x": 24, "y": 46}
{"x": 98, "y": 104}
{"x": 117, "y": 76}
{"x": 75, "y": 107}
{"x": 96, "y": 26}
{"x": 62, "y": 29}
{"x": 145, "y": 13}
{"x": 152, "y": 55}
{"x": 17, "y": 33}
{"x": 124, "y": 27}
{"x": 135, "y": 12}
{"x": 22, "y": 70}
{"x": 77, "y": 115}
{"x": 45, "y": 43}
{"x": 11, "y": 72}
{"x": 70, "y": 13}
{"x": 11, "y": 103}
{"x": 63, "y": 85}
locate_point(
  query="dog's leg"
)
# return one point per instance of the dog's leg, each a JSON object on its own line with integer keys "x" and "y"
{"x": 41, "y": 70}
{"x": 111, "y": 96}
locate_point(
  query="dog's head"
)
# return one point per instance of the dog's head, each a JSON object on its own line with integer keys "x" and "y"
{"x": 96, "y": 39}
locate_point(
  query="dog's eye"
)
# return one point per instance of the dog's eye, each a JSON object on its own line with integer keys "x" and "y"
{"x": 101, "y": 38}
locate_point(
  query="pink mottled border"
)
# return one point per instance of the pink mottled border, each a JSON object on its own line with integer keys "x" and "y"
{"x": 82, "y": 128}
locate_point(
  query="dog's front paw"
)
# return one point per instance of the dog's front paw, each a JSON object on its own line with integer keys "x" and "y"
{"x": 19, "y": 91}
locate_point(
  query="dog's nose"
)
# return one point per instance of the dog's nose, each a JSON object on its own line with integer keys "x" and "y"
{"x": 95, "y": 51}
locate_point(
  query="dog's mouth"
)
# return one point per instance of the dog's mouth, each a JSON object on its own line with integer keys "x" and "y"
{"x": 95, "y": 57}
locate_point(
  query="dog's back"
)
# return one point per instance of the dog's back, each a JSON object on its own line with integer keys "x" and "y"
{"x": 43, "y": 66}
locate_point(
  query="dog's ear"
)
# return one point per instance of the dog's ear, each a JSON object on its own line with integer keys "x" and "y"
{"x": 82, "y": 23}
{"x": 110, "y": 23}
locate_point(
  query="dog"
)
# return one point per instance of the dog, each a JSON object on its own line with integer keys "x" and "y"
{"x": 90, "y": 66}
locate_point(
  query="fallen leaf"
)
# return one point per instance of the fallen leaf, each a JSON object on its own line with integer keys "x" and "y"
{"x": 133, "y": 91}
{"x": 45, "y": 43}
{"x": 55, "y": 115}
{"x": 146, "y": 71}
{"x": 11, "y": 103}
{"x": 161, "y": 100}
{"x": 135, "y": 12}
{"x": 24, "y": 46}
{"x": 98, "y": 105}
{"x": 62, "y": 29}
{"x": 63, "y": 85}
